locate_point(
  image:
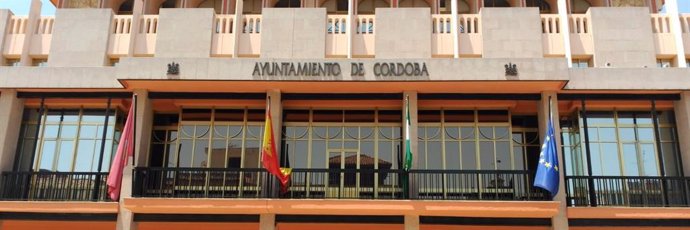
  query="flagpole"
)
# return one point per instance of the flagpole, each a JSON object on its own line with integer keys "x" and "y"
{"x": 134, "y": 131}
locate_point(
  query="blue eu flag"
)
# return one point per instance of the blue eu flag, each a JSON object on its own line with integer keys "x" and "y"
{"x": 547, "y": 170}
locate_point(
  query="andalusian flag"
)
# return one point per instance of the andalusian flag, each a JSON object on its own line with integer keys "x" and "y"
{"x": 269, "y": 155}
{"x": 408, "y": 153}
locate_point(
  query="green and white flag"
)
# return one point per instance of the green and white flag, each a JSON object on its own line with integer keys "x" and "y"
{"x": 408, "y": 153}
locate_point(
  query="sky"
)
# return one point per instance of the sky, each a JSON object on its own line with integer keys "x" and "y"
{"x": 21, "y": 7}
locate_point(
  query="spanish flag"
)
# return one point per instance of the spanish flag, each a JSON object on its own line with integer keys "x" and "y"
{"x": 269, "y": 156}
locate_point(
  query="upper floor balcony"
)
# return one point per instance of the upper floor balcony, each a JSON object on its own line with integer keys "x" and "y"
{"x": 588, "y": 38}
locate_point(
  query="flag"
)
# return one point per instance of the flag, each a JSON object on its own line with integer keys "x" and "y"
{"x": 269, "y": 156}
{"x": 547, "y": 176}
{"x": 408, "y": 151}
{"x": 125, "y": 149}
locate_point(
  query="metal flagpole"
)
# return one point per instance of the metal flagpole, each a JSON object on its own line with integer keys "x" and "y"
{"x": 97, "y": 183}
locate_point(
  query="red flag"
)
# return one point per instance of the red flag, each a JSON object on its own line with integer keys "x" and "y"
{"x": 269, "y": 156}
{"x": 125, "y": 149}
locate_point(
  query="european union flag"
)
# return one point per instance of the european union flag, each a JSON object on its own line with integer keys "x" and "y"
{"x": 547, "y": 170}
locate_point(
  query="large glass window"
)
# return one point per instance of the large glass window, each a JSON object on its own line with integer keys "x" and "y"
{"x": 474, "y": 140}
{"x": 208, "y": 138}
{"x": 67, "y": 141}
{"x": 316, "y": 139}
{"x": 622, "y": 143}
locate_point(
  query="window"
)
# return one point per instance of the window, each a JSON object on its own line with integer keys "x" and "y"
{"x": 40, "y": 62}
{"x": 581, "y": 63}
{"x": 216, "y": 5}
{"x": 335, "y": 6}
{"x": 322, "y": 139}
{"x": 664, "y": 63}
{"x": 288, "y": 4}
{"x": 463, "y": 7}
{"x": 13, "y": 62}
{"x": 126, "y": 7}
{"x": 496, "y": 3}
{"x": 68, "y": 140}
{"x": 369, "y": 6}
{"x": 543, "y": 5}
{"x": 579, "y": 6}
{"x": 472, "y": 140}
{"x": 622, "y": 143}
{"x": 208, "y": 138}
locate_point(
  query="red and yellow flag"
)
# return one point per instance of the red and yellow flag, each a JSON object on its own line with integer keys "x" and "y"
{"x": 269, "y": 156}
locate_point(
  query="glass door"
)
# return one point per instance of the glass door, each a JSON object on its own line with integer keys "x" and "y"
{"x": 343, "y": 178}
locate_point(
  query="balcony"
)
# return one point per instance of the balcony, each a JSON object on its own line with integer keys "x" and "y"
{"x": 639, "y": 191}
{"x": 337, "y": 184}
{"x": 234, "y": 36}
{"x": 54, "y": 186}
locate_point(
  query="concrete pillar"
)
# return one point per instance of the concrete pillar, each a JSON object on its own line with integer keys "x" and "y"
{"x": 411, "y": 222}
{"x": 454, "y": 25}
{"x": 11, "y": 110}
{"x": 34, "y": 17}
{"x": 410, "y": 96}
{"x": 560, "y": 221}
{"x": 237, "y": 26}
{"x": 5, "y": 16}
{"x": 350, "y": 26}
{"x": 672, "y": 12}
{"x": 565, "y": 30}
{"x": 125, "y": 217}
{"x": 144, "y": 118}
{"x": 137, "y": 12}
{"x": 682, "y": 112}
{"x": 267, "y": 222}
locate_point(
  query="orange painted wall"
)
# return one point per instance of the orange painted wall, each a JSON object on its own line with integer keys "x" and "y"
{"x": 475, "y": 227}
{"x": 306, "y": 226}
{"x": 56, "y": 225}
{"x": 196, "y": 226}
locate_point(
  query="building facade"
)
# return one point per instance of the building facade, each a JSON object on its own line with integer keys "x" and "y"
{"x": 481, "y": 78}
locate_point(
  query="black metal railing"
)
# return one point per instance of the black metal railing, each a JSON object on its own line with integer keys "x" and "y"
{"x": 202, "y": 182}
{"x": 631, "y": 191}
{"x": 54, "y": 186}
{"x": 475, "y": 185}
{"x": 337, "y": 184}
{"x": 347, "y": 184}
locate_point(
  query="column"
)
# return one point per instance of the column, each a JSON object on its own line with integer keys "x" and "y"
{"x": 11, "y": 110}
{"x": 32, "y": 23}
{"x": 560, "y": 220}
{"x": 411, "y": 222}
{"x": 137, "y": 13}
{"x": 454, "y": 28}
{"x": 125, "y": 217}
{"x": 5, "y": 16}
{"x": 237, "y": 26}
{"x": 412, "y": 97}
{"x": 144, "y": 127}
{"x": 350, "y": 28}
{"x": 672, "y": 12}
{"x": 565, "y": 30}
{"x": 682, "y": 112}
{"x": 267, "y": 221}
